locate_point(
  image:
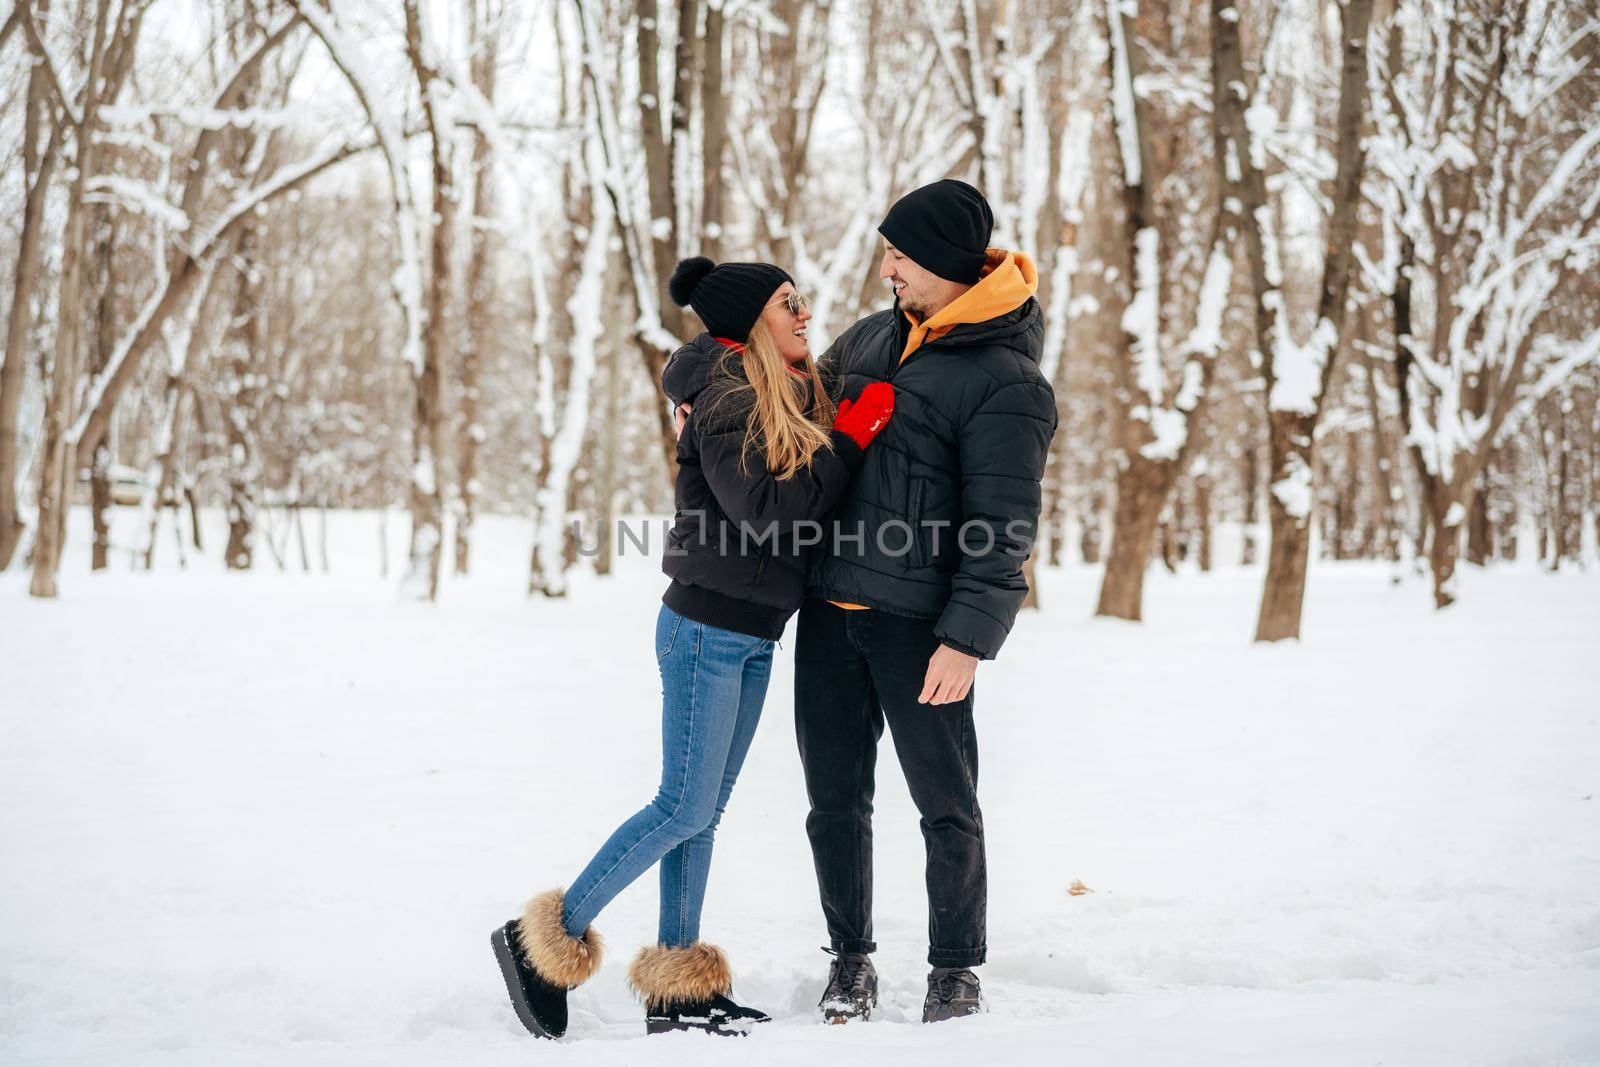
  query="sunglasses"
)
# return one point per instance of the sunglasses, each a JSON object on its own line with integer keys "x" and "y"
{"x": 794, "y": 302}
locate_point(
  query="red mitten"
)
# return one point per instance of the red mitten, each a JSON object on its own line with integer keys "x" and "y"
{"x": 865, "y": 418}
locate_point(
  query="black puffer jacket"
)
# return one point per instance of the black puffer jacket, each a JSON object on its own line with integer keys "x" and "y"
{"x": 741, "y": 540}
{"x": 972, "y": 424}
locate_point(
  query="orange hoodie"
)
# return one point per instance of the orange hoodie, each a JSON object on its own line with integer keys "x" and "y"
{"x": 1008, "y": 280}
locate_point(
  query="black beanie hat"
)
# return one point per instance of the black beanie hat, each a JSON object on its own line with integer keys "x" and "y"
{"x": 728, "y": 297}
{"x": 944, "y": 228}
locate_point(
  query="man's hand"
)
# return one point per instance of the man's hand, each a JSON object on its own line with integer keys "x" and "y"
{"x": 949, "y": 676}
{"x": 681, "y": 416}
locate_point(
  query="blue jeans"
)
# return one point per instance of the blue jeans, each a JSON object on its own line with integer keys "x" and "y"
{"x": 713, "y": 682}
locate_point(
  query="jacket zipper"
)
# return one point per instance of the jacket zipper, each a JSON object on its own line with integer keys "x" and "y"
{"x": 919, "y": 350}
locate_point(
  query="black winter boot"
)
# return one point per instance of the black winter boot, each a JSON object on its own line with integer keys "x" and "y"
{"x": 540, "y": 962}
{"x": 719, "y": 1015}
{"x": 686, "y": 988}
{"x": 952, "y": 993}
{"x": 852, "y": 991}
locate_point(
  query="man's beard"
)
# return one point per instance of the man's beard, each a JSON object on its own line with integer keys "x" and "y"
{"x": 908, "y": 308}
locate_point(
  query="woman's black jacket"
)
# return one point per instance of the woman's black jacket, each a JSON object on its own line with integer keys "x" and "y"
{"x": 741, "y": 539}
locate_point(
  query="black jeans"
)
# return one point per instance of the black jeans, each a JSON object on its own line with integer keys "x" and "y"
{"x": 854, "y": 670}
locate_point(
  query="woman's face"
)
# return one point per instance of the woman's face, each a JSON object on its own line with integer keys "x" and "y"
{"x": 788, "y": 328}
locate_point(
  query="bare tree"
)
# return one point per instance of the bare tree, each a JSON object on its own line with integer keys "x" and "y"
{"x": 591, "y": 213}
{"x": 427, "y": 508}
{"x": 44, "y": 107}
{"x": 483, "y": 34}
{"x": 1159, "y": 419}
{"x": 652, "y": 225}
{"x": 110, "y": 58}
{"x": 1492, "y": 201}
{"x": 1296, "y": 373}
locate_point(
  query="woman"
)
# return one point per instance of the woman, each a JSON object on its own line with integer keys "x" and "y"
{"x": 761, "y": 451}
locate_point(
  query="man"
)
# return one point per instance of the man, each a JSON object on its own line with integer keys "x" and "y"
{"x": 921, "y": 577}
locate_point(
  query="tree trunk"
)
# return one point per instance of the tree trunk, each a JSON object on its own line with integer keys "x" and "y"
{"x": 1142, "y": 483}
{"x": 1292, "y": 418}
{"x": 100, "y": 504}
{"x": 1167, "y": 546}
{"x": 1091, "y": 529}
{"x": 427, "y": 435}
{"x": 1505, "y": 537}
{"x": 1249, "y": 551}
{"x": 713, "y": 125}
{"x": 661, "y": 143}
{"x": 1349, "y": 541}
{"x": 557, "y": 548}
{"x": 37, "y": 167}
{"x": 1565, "y": 527}
{"x": 1056, "y": 525}
{"x": 1285, "y": 590}
{"x": 477, "y": 328}
{"x": 605, "y": 503}
{"x": 1382, "y": 467}
{"x": 1142, "y": 486}
{"x": 160, "y": 481}
{"x": 245, "y": 345}
{"x": 1289, "y": 515}
{"x": 1479, "y": 543}
{"x": 58, "y": 473}
{"x": 194, "y": 514}
{"x": 1443, "y": 551}
{"x": 105, "y": 241}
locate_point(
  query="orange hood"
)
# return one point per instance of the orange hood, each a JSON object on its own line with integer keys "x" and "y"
{"x": 1007, "y": 282}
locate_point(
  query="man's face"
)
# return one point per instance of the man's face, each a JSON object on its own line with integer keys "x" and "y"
{"x": 917, "y": 289}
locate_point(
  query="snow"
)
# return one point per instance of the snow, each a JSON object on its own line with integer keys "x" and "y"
{"x": 1141, "y": 318}
{"x": 1575, "y": 357}
{"x": 136, "y": 196}
{"x": 1297, "y": 369}
{"x": 271, "y": 819}
{"x": 422, "y": 473}
{"x": 1261, "y": 120}
{"x": 208, "y": 118}
{"x": 1560, "y": 179}
{"x": 1230, "y": 163}
{"x": 1294, "y": 490}
{"x": 1193, "y": 386}
{"x": 1032, "y": 170}
{"x": 1169, "y": 430}
{"x": 1206, "y": 337}
{"x": 1124, "y": 113}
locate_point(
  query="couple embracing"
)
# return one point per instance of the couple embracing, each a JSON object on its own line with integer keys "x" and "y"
{"x": 889, "y": 493}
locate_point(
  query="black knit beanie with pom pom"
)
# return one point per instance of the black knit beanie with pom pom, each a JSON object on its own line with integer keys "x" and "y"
{"x": 728, "y": 297}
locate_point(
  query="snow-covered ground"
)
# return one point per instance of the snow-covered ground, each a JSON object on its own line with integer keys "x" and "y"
{"x": 272, "y": 818}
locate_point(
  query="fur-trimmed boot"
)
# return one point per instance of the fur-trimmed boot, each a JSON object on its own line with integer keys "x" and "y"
{"x": 541, "y": 961}
{"x": 687, "y": 988}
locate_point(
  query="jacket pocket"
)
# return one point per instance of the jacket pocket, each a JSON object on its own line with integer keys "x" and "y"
{"x": 918, "y": 510}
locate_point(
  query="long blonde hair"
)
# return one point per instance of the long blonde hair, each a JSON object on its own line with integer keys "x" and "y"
{"x": 778, "y": 425}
